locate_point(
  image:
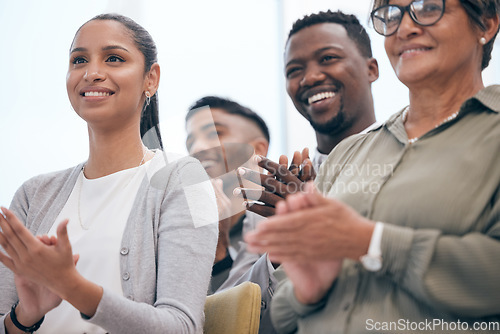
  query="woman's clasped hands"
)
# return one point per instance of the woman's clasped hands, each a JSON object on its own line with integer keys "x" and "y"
{"x": 310, "y": 236}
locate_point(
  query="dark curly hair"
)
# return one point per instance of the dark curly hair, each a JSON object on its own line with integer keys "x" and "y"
{"x": 354, "y": 29}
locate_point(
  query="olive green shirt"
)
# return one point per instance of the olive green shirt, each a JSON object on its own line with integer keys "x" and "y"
{"x": 439, "y": 199}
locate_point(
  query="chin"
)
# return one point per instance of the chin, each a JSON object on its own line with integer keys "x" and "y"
{"x": 333, "y": 125}
{"x": 411, "y": 75}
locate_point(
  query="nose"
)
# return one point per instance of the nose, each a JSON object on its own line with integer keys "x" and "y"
{"x": 94, "y": 73}
{"x": 200, "y": 145}
{"x": 408, "y": 28}
{"x": 312, "y": 76}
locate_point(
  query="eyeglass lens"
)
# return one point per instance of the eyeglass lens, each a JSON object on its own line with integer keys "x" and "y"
{"x": 386, "y": 19}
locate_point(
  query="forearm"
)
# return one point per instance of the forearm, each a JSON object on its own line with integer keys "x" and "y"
{"x": 456, "y": 274}
{"x": 83, "y": 294}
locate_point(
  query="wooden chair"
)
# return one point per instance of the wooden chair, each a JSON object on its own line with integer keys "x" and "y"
{"x": 233, "y": 311}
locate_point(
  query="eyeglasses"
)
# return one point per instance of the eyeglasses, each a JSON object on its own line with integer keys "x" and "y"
{"x": 386, "y": 19}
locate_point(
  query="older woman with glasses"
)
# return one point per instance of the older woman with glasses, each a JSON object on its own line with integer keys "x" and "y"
{"x": 405, "y": 235}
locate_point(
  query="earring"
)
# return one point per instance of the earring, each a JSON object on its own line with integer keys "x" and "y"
{"x": 148, "y": 98}
{"x": 482, "y": 41}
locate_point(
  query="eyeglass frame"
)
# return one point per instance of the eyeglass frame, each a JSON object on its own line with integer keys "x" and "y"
{"x": 403, "y": 10}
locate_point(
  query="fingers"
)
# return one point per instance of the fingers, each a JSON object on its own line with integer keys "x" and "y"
{"x": 18, "y": 227}
{"x": 296, "y": 162}
{"x": 305, "y": 153}
{"x": 275, "y": 242}
{"x": 263, "y": 210}
{"x": 283, "y": 160}
{"x": 267, "y": 181}
{"x": 4, "y": 242}
{"x": 9, "y": 240}
{"x": 264, "y": 196}
{"x": 7, "y": 261}
{"x": 44, "y": 238}
{"x": 279, "y": 171}
{"x": 49, "y": 241}
{"x": 281, "y": 208}
{"x": 307, "y": 172}
{"x": 62, "y": 235}
{"x": 312, "y": 196}
{"x": 297, "y": 202}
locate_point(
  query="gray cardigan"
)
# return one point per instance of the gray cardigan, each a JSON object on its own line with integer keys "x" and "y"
{"x": 165, "y": 258}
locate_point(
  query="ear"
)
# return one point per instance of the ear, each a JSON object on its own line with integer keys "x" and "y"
{"x": 491, "y": 24}
{"x": 260, "y": 145}
{"x": 152, "y": 79}
{"x": 372, "y": 69}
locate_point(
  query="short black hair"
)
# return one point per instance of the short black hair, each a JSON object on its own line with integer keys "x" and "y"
{"x": 355, "y": 30}
{"x": 231, "y": 107}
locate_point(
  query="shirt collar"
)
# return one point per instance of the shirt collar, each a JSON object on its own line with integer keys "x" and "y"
{"x": 319, "y": 157}
{"x": 489, "y": 97}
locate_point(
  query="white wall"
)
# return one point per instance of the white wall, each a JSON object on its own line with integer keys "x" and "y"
{"x": 231, "y": 48}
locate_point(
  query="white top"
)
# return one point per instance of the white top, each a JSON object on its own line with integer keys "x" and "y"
{"x": 104, "y": 205}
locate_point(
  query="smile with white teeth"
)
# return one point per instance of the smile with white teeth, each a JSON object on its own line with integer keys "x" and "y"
{"x": 320, "y": 96}
{"x": 414, "y": 50}
{"x": 96, "y": 94}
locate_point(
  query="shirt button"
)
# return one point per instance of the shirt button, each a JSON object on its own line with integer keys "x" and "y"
{"x": 130, "y": 297}
{"x": 124, "y": 251}
{"x": 346, "y": 306}
{"x": 125, "y": 276}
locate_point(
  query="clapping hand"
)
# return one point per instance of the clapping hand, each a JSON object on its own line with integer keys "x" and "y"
{"x": 33, "y": 261}
{"x": 280, "y": 182}
{"x": 311, "y": 278}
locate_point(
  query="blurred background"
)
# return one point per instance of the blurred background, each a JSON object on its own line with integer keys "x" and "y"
{"x": 230, "y": 48}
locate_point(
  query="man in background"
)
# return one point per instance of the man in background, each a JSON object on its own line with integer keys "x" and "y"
{"x": 224, "y": 135}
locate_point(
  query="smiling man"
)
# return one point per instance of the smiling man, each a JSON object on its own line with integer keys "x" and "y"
{"x": 329, "y": 70}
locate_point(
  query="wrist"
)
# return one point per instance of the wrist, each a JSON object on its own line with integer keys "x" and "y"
{"x": 363, "y": 235}
{"x": 309, "y": 297}
{"x": 83, "y": 294}
{"x": 220, "y": 253}
{"x": 27, "y": 317}
{"x": 72, "y": 282}
{"x": 23, "y": 320}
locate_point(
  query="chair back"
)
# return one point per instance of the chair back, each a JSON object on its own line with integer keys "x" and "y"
{"x": 233, "y": 311}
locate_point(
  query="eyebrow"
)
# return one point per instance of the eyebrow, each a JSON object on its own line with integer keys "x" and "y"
{"x": 106, "y": 48}
{"x": 326, "y": 48}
